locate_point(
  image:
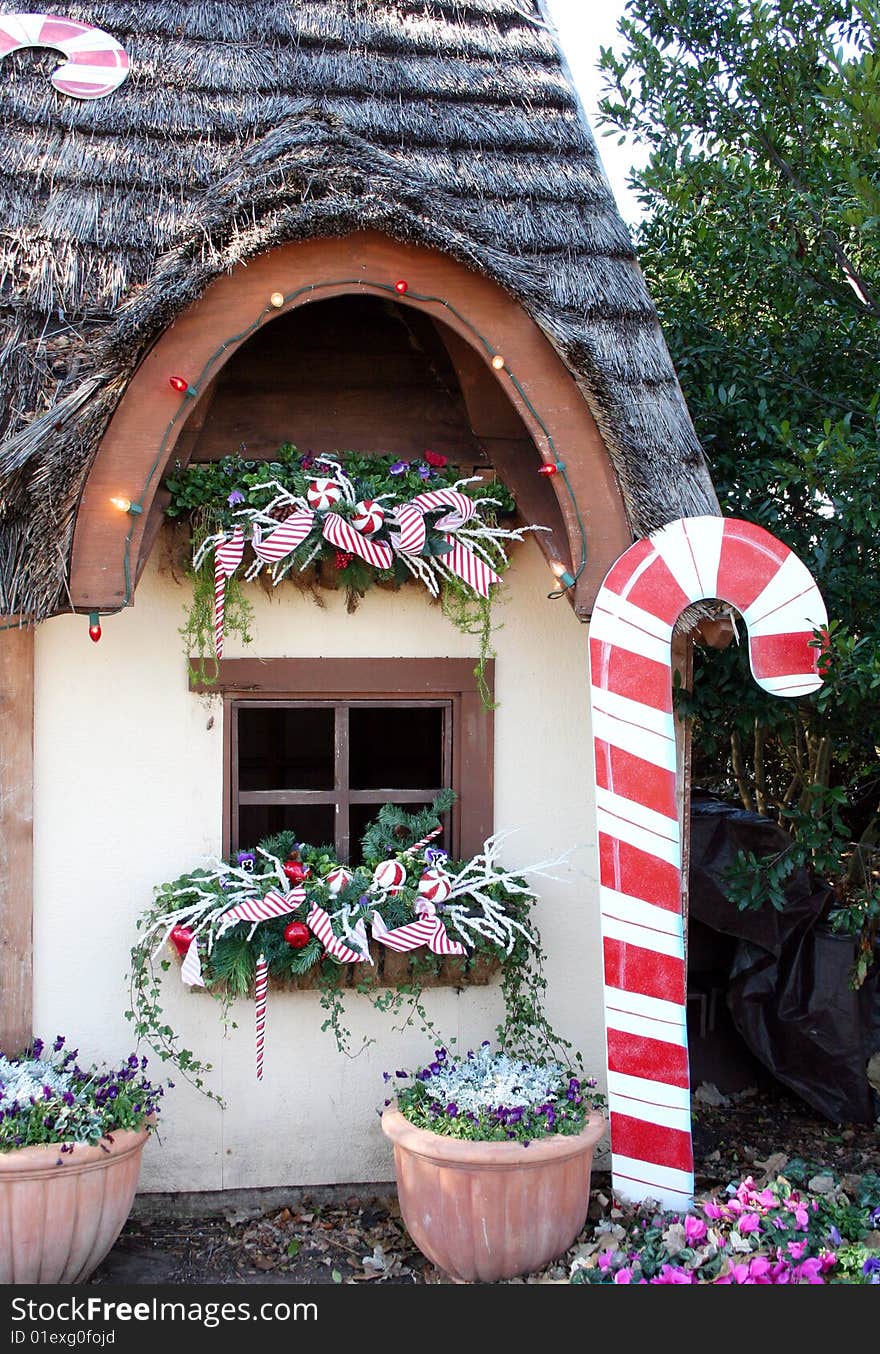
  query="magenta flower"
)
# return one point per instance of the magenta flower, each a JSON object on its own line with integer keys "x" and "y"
{"x": 623, "y": 1275}
{"x": 749, "y": 1222}
{"x": 673, "y": 1274}
{"x": 694, "y": 1229}
{"x": 796, "y": 1249}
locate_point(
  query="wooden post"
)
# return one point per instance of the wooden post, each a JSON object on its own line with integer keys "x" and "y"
{"x": 16, "y": 837}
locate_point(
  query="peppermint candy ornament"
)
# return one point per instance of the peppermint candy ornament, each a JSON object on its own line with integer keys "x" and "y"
{"x": 435, "y": 885}
{"x": 368, "y": 517}
{"x": 337, "y": 879}
{"x": 323, "y": 494}
{"x": 389, "y": 875}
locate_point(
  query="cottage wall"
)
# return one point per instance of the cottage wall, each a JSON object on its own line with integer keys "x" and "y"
{"x": 128, "y": 774}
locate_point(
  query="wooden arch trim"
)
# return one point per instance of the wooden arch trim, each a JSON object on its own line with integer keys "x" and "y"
{"x": 142, "y": 438}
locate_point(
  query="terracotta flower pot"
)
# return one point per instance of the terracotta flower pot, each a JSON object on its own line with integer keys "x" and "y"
{"x": 484, "y": 1211}
{"x": 61, "y": 1213}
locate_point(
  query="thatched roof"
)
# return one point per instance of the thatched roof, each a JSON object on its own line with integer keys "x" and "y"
{"x": 446, "y": 123}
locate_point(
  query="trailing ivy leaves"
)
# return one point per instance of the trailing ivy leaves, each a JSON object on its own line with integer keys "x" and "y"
{"x": 490, "y": 912}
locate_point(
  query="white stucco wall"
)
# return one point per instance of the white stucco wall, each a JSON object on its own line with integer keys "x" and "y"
{"x": 128, "y": 794}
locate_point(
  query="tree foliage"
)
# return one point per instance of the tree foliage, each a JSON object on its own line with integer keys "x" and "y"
{"x": 760, "y": 246}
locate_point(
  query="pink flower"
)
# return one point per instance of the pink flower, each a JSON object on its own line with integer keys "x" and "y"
{"x": 623, "y": 1275}
{"x": 694, "y": 1229}
{"x": 802, "y": 1217}
{"x": 810, "y": 1271}
{"x": 759, "y": 1268}
{"x": 673, "y": 1274}
{"x": 604, "y": 1261}
{"x": 766, "y": 1198}
{"x": 749, "y": 1222}
{"x": 712, "y": 1211}
{"x": 796, "y": 1249}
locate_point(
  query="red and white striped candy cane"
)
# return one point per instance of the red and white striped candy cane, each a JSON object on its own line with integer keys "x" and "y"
{"x": 227, "y": 557}
{"x": 425, "y": 841}
{"x": 96, "y": 63}
{"x": 261, "y": 992}
{"x": 639, "y": 835}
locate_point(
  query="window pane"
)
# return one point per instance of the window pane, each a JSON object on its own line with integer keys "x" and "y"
{"x": 399, "y": 748}
{"x": 361, "y": 815}
{"x": 285, "y": 749}
{"x": 312, "y": 823}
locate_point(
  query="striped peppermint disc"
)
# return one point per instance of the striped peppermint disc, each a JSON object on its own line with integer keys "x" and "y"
{"x": 639, "y": 836}
{"x": 435, "y": 885}
{"x": 337, "y": 879}
{"x": 343, "y": 535}
{"x": 389, "y": 876}
{"x": 368, "y": 517}
{"x": 323, "y": 494}
{"x": 96, "y": 64}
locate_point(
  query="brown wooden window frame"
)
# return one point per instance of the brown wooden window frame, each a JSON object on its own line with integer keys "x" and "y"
{"x": 343, "y": 683}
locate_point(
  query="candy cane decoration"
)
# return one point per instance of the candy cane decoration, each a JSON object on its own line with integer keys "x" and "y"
{"x": 639, "y": 834}
{"x": 261, "y": 990}
{"x": 227, "y": 557}
{"x": 96, "y": 64}
{"x": 425, "y": 841}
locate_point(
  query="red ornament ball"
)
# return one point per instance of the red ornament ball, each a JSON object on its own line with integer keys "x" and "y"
{"x": 297, "y": 934}
{"x": 181, "y": 938}
{"x": 295, "y": 870}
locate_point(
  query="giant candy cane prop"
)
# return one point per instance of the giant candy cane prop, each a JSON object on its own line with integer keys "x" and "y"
{"x": 96, "y": 64}
{"x": 639, "y": 833}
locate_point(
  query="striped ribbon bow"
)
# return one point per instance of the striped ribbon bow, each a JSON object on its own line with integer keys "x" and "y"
{"x": 427, "y": 930}
{"x": 273, "y": 904}
{"x": 319, "y": 922}
{"x": 409, "y": 538}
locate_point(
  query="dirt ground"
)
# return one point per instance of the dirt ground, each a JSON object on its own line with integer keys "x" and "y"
{"x": 361, "y": 1239}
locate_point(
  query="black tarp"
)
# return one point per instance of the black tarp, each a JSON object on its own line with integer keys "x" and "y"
{"x": 787, "y": 973}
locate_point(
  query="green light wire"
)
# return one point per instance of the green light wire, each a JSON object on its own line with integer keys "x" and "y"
{"x": 357, "y": 283}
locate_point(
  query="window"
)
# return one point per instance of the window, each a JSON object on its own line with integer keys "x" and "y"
{"x": 318, "y": 745}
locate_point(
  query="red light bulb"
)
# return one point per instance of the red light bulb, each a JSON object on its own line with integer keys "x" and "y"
{"x": 548, "y": 470}
{"x": 94, "y": 627}
{"x": 401, "y": 287}
{"x": 179, "y": 383}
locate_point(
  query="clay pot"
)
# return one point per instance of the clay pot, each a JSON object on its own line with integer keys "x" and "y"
{"x": 484, "y": 1211}
{"x": 61, "y": 1213}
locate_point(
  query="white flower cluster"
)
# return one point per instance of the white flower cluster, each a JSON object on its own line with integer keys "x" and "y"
{"x": 488, "y": 1080}
{"x": 21, "y": 1080}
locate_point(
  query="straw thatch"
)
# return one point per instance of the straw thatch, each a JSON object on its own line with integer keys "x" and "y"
{"x": 448, "y": 124}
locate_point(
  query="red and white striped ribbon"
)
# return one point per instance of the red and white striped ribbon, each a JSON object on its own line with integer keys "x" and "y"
{"x": 227, "y": 557}
{"x": 285, "y": 537}
{"x": 411, "y": 533}
{"x": 410, "y": 538}
{"x": 272, "y": 904}
{"x": 319, "y": 922}
{"x": 96, "y": 64}
{"x": 639, "y": 836}
{"x": 261, "y": 993}
{"x": 345, "y": 537}
{"x": 427, "y": 930}
{"x": 191, "y": 968}
{"x": 463, "y": 508}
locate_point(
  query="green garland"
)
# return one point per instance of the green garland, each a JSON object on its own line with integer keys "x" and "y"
{"x": 216, "y": 497}
{"x": 489, "y": 909}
